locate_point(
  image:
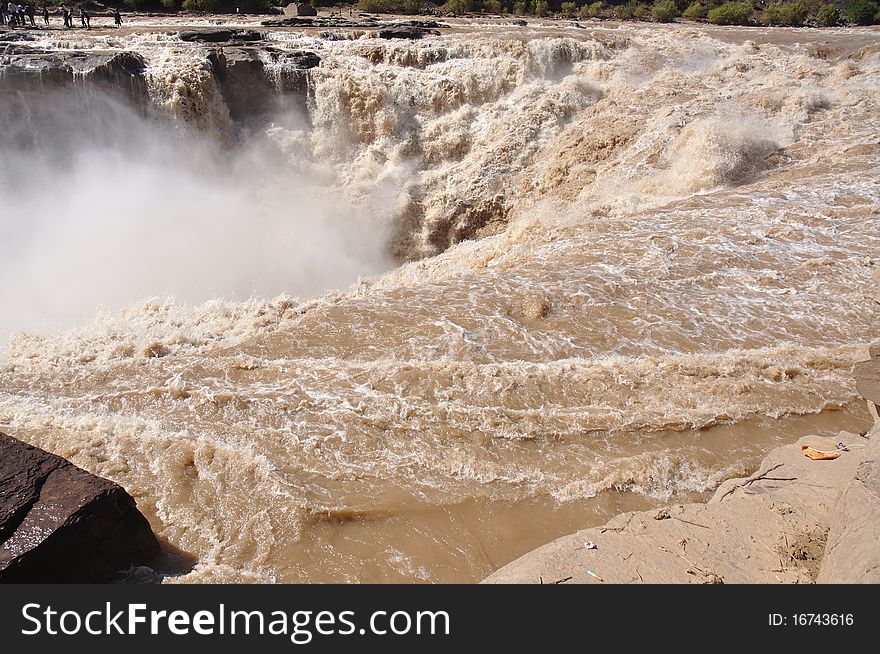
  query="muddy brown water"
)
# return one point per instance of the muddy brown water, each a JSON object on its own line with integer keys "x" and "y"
{"x": 676, "y": 284}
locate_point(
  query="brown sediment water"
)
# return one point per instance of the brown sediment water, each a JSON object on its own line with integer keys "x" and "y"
{"x": 618, "y": 265}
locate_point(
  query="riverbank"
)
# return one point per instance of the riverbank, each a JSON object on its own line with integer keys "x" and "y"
{"x": 795, "y": 520}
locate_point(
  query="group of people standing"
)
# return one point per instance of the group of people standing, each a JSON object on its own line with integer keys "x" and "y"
{"x": 13, "y": 15}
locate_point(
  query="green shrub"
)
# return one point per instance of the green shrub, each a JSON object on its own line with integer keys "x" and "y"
{"x": 731, "y": 13}
{"x": 861, "y": 12}
{"x": 542, "y": 8}
{"x": 458, "y": 7}
{"x": 664, "y": 11}
{"x": 594, "y": 10}
{"x": 388, "y": 6}
{"x": 771, "y": 15}
{"x": 695, "y": 10}
{"x": 212, "y": 6}
{"x": 569, "y": 9}
{"x": 785, "y": 13}
{"x": 626, "y": 11}
{"x": 641, "y": 12}
{"x": 828, "y": 15}
{"x": 795, "y": 13}
{"x": 137, "y": 5}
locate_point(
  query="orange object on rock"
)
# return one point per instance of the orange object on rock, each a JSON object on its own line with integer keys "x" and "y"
{"x": 819, "y": 455}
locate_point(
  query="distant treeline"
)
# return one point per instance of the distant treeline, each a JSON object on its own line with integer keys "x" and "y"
{"x": 825, "y": 13}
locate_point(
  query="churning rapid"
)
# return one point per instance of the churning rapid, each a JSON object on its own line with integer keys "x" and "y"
{"x": 528, "y": 277}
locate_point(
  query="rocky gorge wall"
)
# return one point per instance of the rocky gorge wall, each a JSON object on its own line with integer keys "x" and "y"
{"x": 254, "y": 80}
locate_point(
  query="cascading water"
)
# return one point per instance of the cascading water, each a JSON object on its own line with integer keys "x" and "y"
{"x": 576, "y": 272}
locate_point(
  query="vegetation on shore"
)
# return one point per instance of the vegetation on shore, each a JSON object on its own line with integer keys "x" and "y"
{"x": 816, "y": 13}
{"x": 822, "y": 13}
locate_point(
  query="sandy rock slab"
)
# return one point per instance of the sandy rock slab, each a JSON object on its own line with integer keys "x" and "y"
{"x": 771, "y": 527}
{"x": 59, "y": 523}
{"x": 852, "y": 554}
{"x": 866, "y": 372}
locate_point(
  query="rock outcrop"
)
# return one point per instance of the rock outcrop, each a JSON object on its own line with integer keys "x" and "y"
{"x": 321, "y": 21}
{"x": 410, "y": 27}
{"x": 52, "y": 97}
{"x": 219, "y": 36}
{"x": 867, "y": 375}
{"x": 33, "y": 70}
{"x": 9, "y": 37}
{"x": 769, "y": 528}
{"x": 852, "y": 554}
{"x": 254, "y": 81}
{"x": 59, "y": 523}
{"x": 304, "y": 9}
{"x": 406, "y": 32}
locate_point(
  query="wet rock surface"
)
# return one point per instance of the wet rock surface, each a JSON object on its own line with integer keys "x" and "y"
{"x": 48, "y": 88}
{"x": 24, "y": 65}
{"x": 219, "y": 35}
{"x": 406, "y": 32}
{"x": 10, "y": 37}
{"x": 254, "y": 78}
{"x": 322, "y": 21}
{"x": 59, "y": 523}
{"x": 249, "y": 88}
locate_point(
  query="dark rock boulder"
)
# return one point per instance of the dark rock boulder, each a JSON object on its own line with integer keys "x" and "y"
{"x": 219, "y": 36}
{"x": 59, "y": 523}
{"x": 290, "y": 22}
{"x": 257, "y": 81}
{"x": 406, "y": 32}
{"x": 322, "y": 21}
{"x": 303, "y": 9}
{"x": 418, "y": 22}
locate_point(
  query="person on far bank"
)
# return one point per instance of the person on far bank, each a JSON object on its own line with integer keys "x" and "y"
{"x": 84, "y": 18}
{"x": 29, "y": 10}
{"x": 65, "y": 14}
{"x": 117, "y": 17}
{"x": 46, "y": 15}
